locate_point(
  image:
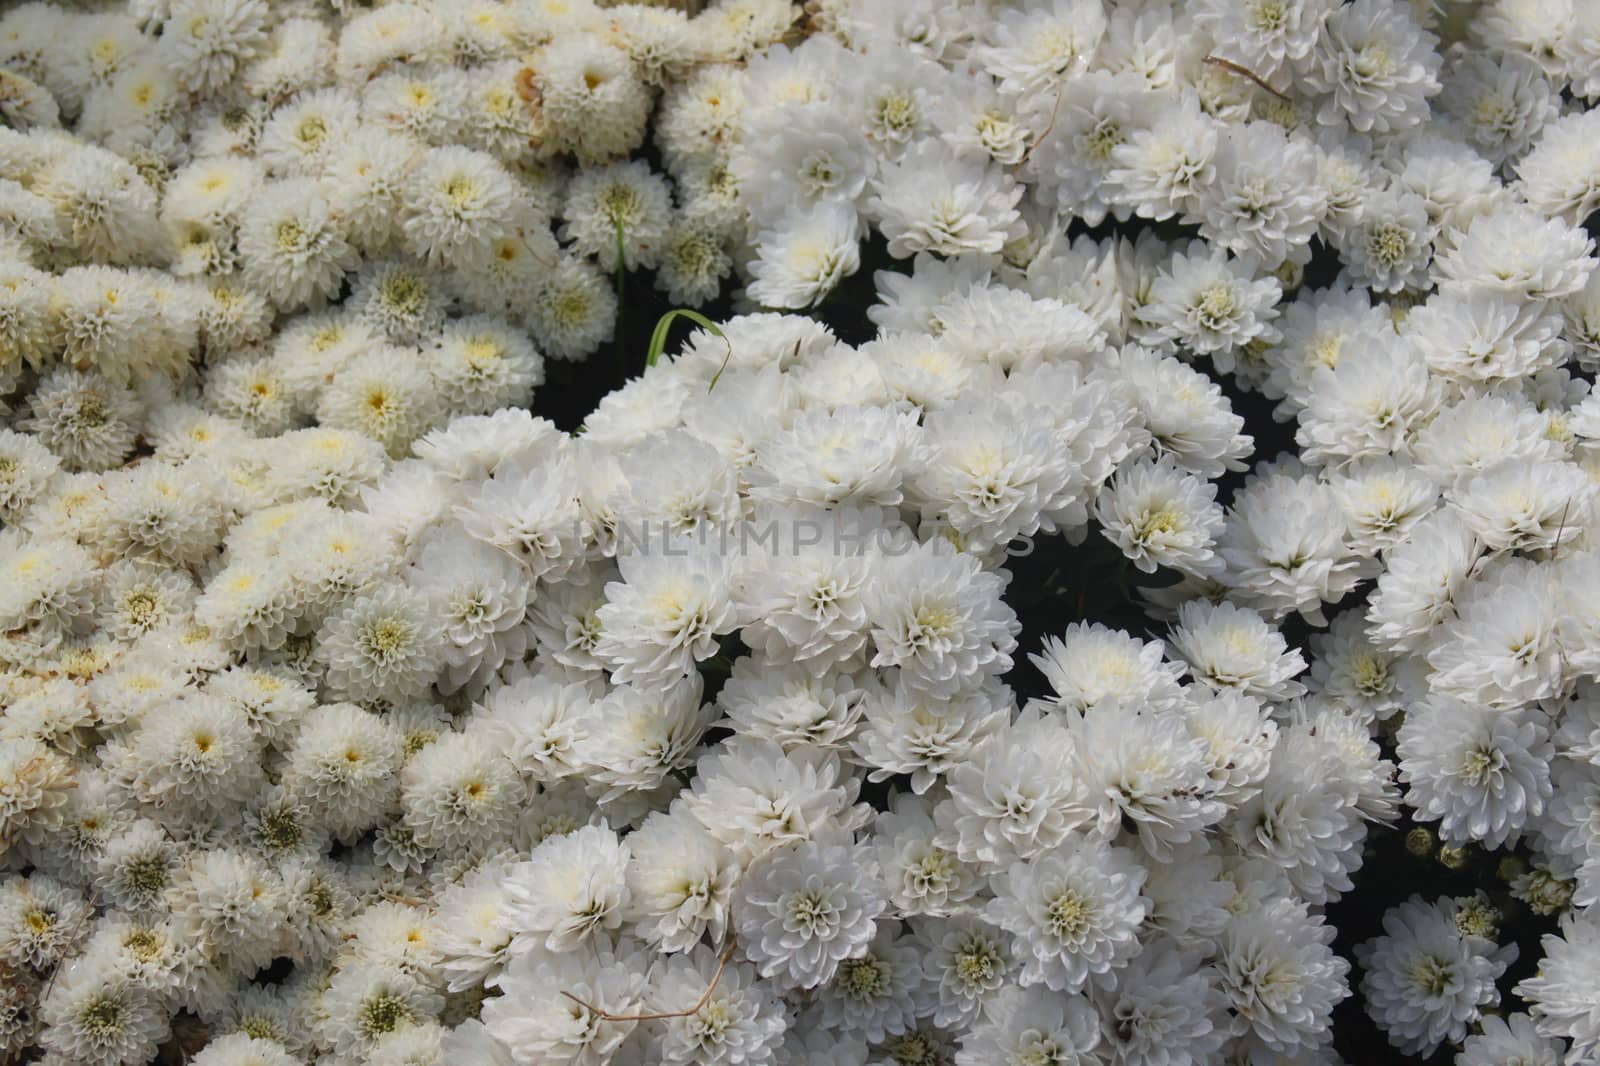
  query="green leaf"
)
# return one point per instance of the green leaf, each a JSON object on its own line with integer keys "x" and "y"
{"x": 658, "y": 339}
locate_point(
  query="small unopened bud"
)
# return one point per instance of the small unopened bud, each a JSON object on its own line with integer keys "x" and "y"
{"x": 1421, "y": 842}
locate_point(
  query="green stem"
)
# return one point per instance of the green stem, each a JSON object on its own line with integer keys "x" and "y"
{"x": 617, "y": 334}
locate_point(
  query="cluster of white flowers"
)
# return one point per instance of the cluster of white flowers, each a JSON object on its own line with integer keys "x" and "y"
{"x": 189, "y": 173}
{"x": 353, "y": 715}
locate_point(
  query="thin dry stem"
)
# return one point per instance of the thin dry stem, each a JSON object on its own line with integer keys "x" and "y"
{"x": 1048, "y": 126}
{"x": 77, "y": 928}
{"x": 605, "y": 1015}
{"x": 1245, "y": 72}
{"x": 1561, "y": 527}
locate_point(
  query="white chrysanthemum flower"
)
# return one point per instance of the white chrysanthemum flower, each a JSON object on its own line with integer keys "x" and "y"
{"x": 1027, "y": 1025}
{"x": 623, "y": 207}
{"x": 992, "y": 476}
{"x": 1564, "y": 995}
{"x": 754, "y": 797}
{"x": 345, "y": 763}
{"x": 1074, "y": 914}
{"x": 1168, "y": 1009}
{"x": 1348, "y": 668}
{"x": 470, "y": 931}
{"x": 194, "y": 757}
{"x": 303, "y": 135}
{"x": 1524, "y": 506}
{"x": 1374, "y": 67}
{"x": 970, "y": 964}
{"x": 280, "y": 826}
{"x": 1161, "y": 170}
{"x": 849, "y": 455}
{"x": 136, "y": 867}
{"x": 1210, "y": 304}
{"x": 802, "y": 911}
{"x": 1019, "y": 797}
{"x": 592, "y": 101}
{"x": 85, "y": 418}
{"x": 680, "y": 882}
{"x": 385, "y": 645}
{"x": 1091, "y": 664}
{"x": 1230, "y": 647}
{"x": 1281, "y": 976}
{"x": 575, "y": 310}
{"x": 171, "y": 511}
{"x": 233, "y": 904}
{"x": 938, "y": 616}
{"x": 694, "y": 263}
{"x": 533, "y": 1022}
{"x": 1147, "y": 772}
{"x": 399, "y": 298}
{"x": 454, "y": 203}
{"x": 791, "y": 705}
{"x": 540, "y": 720}
{"x": 1482, "y": 338}
{"x": 460, "y": 794}
{"x": 422, "y": 103}
{"x": 1185, "y": 412}
{"x": 739, "y": 1021}
{"x": 292, "y": 246}
{"x": 1425, "y": 576}
{"x": 1283, "y": 543}
{"x": 699, "y": 497}
{"x": 43, "y": 922}
{"x": 810, "y": 154}
{"x": 932, "y": 200}
{"x": 208, "y": 40}
{"x": 386, "y": 394}
{"x": 364, "y": 170}
{"x": 1264, "y": 34}
{"x": 242, "y": 1049}
{"x": 1012, "y": 330}
{"x": 482, "y": 365}
{"x": 26, "y": 467}
{"x": 253, "y": 392}
{"x": 1501, "y": 649}
{"x": 26, "y": 333}
{"x": 804, "y": 257}
{"x": 249, "y": 604}
{"x": 638, "y": 735}
{"x": 1160, "y": 515}
{"x": 1266, "y": 201}
{"x": 365, "y": 1002}
{"x": 571, "y": 889}
{"x": 875, "y": 993}
{"x": 923, "y": 876}
{"x": 480, "y": 595}
{"x": 1389, "y": 249}
{"x": 1426, "y": 982}
{"x": 1557, "y": 177}
{"x": 1501, "y": 102}
{"x": 1515, "y": 1038}
{"x": 95, "y": 1017}
{"x": 1520, "y": 253}
{"x": 665, "y": 614}
{"x": 1029, "y": 51}
{"x": 530, "y": 512}
{"x": 299, "y": 55}
{"x": 1484, "y": 774}
{"x": 905, "y": 731}
{"x": 1478, "y": 432}
{"x": 107, "y": 211}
